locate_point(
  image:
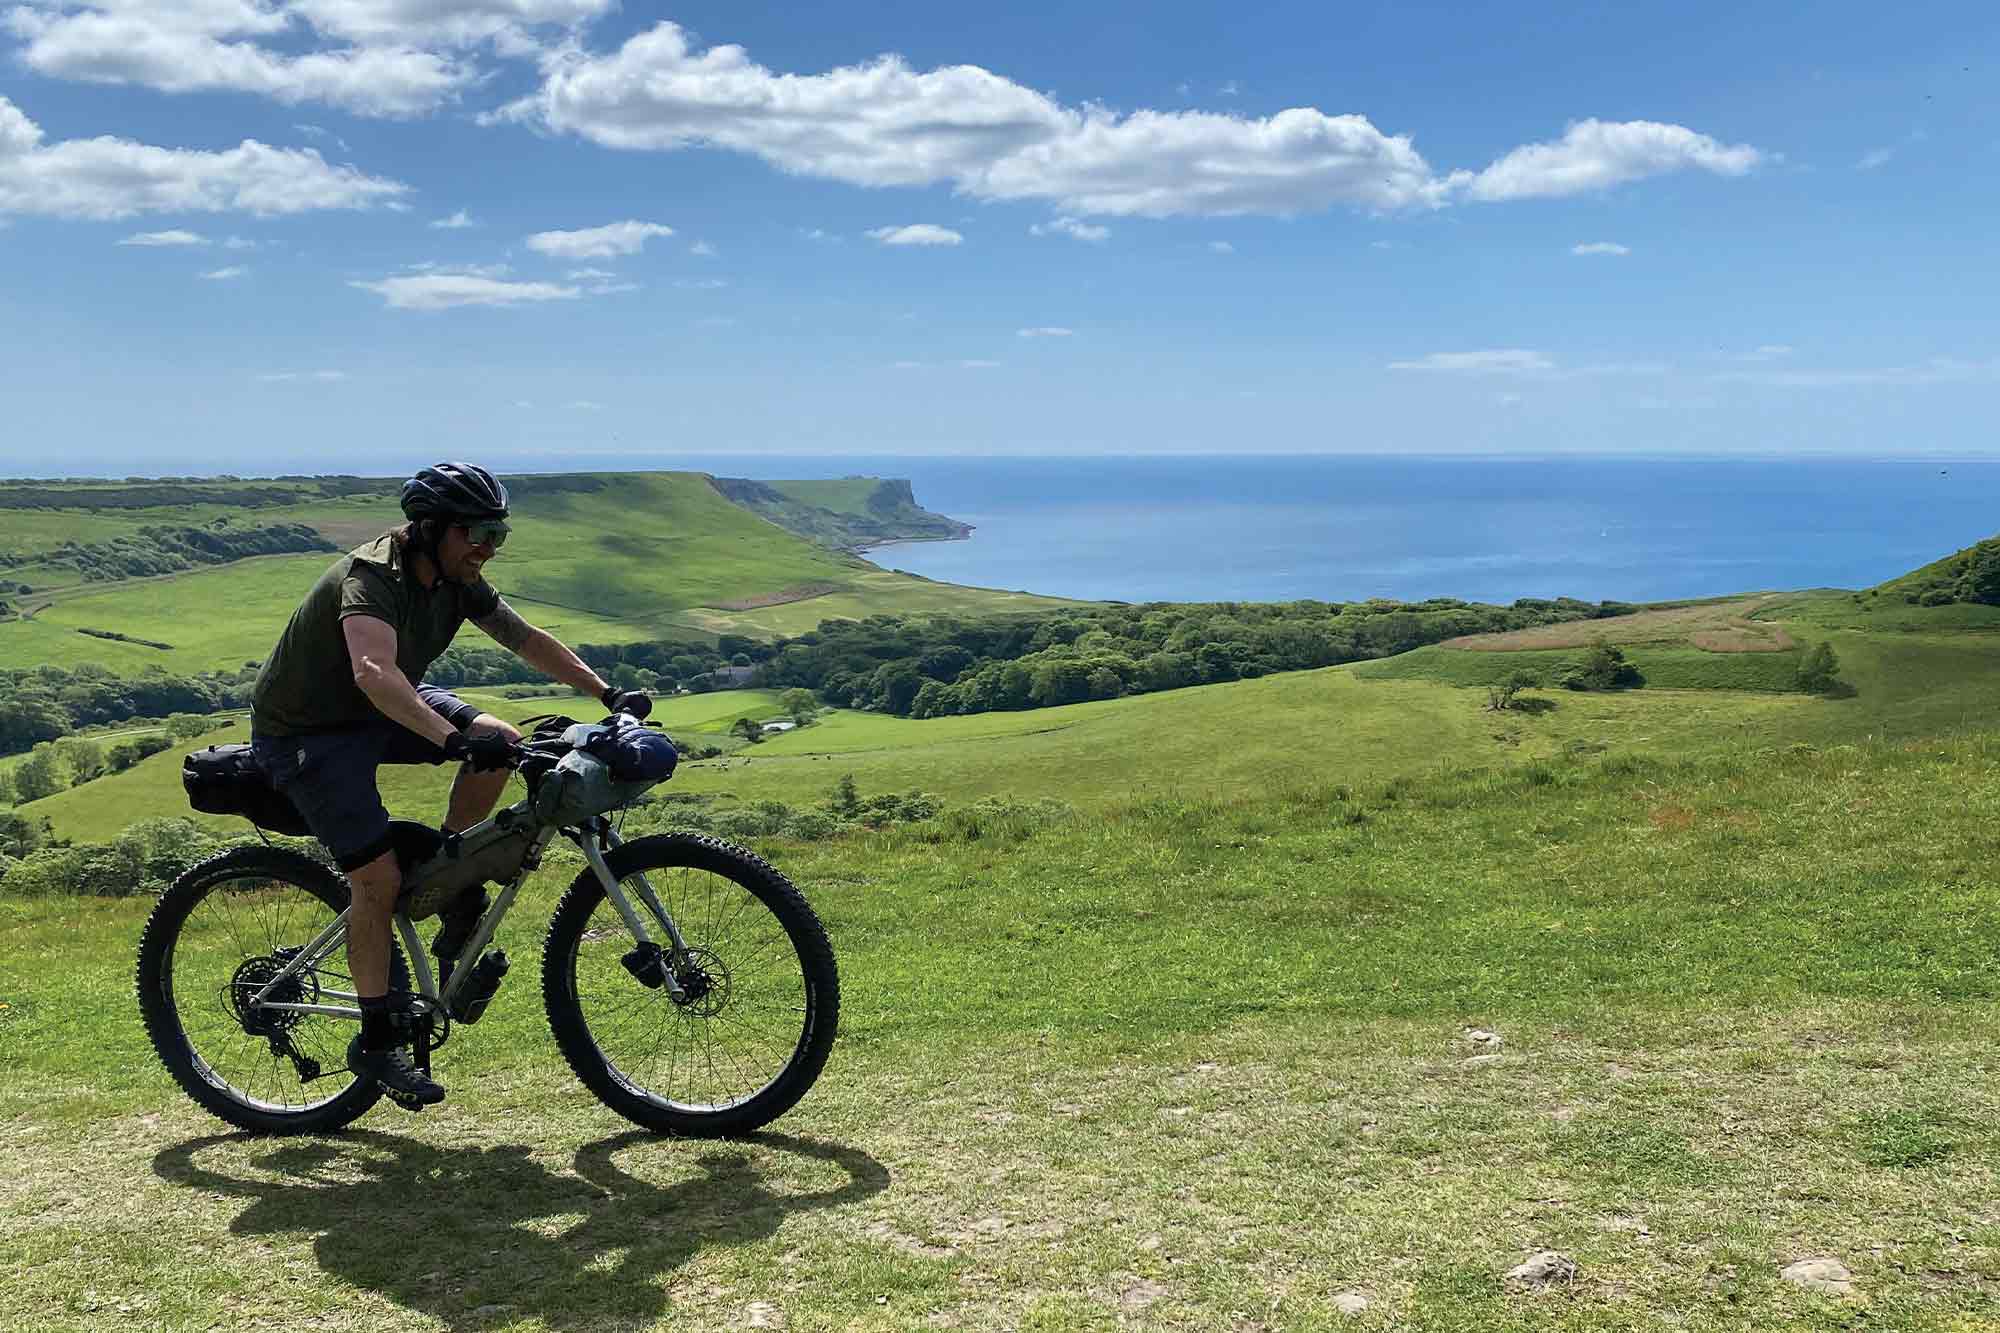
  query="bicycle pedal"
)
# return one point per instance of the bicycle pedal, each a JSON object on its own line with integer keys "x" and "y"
{"x": 404, "y": 1100}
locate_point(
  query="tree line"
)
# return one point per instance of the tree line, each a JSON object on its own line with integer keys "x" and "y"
{"x": 941, "y": 666}
{"x": 162, "y": 549}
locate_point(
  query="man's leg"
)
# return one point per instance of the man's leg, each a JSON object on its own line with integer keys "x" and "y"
{"x": 473, "y": 795}
{"x": 368, "y": 924}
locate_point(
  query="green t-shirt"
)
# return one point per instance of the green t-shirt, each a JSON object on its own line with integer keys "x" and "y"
{"x": 307, "y": 683}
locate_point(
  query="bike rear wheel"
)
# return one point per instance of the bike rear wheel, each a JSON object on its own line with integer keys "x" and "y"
{"x": 217, "y": 937}
{"x": 763, "y": 992}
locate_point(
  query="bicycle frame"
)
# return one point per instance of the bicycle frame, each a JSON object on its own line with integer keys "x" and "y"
{"x": 595, "y": 837}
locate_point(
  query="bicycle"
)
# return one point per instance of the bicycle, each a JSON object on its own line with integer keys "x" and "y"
{"x": 242, "y": 987}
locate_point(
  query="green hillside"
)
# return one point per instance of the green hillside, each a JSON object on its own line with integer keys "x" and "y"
{"x": 598, "y": 558}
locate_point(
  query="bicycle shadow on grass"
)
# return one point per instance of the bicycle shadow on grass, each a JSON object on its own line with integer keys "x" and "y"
{"x": 471, "y": 1235}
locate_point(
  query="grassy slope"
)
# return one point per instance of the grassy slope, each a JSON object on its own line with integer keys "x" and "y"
{"x": 1162, "y": 1067}
{"x": 639, "y": 560}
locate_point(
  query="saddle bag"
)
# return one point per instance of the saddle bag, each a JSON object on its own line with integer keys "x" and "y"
{"x": 225, "y": 780}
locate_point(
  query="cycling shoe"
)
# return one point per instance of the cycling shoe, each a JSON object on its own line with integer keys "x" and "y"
{"x": 398, "y": 1075}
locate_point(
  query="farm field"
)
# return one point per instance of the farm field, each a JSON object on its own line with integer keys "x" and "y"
{"x": 1158, "y": 1067}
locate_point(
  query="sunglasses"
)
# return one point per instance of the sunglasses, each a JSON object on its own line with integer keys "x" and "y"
{"x": 491, "y": 533}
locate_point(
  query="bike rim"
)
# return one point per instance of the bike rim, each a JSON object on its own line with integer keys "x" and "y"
{"x": 716, "y": 1051}
{"x": 214, "y": 967}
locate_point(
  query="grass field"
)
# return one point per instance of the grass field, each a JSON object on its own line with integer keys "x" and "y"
{"x": 1725, "y": 626}
{"x": 1182, "y": 1064}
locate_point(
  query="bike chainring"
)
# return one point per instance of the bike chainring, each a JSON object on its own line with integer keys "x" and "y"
{"x": 302, "y": 987}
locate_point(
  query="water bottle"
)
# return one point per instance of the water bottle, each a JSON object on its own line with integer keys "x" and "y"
{"x": 480, "y": 987}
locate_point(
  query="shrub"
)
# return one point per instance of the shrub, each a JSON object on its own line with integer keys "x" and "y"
{"x": 1936, "y": 597}
{"x": 1602, "y": 667}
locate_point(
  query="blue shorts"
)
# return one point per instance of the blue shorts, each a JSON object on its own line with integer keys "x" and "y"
{"x": 330, "y": 775}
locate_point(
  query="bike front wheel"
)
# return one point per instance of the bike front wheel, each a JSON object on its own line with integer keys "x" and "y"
{"x": 761, "y": 993}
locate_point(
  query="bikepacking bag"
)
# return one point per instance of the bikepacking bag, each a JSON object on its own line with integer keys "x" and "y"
{"x": 603, "y": 770}
{"x": 225, "y": 780}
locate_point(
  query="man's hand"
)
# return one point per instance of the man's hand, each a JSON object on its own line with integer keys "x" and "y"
{"x": 631, "y": 702}
{"x": 483, "y": 750}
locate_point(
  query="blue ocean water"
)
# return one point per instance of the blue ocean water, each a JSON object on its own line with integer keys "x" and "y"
{"x": 1485, "y": 529}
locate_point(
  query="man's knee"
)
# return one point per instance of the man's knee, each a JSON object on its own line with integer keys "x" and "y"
{"x": 377, "y": 883}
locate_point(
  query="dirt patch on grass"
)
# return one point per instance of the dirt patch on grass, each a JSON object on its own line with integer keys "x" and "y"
{"x": 1719, "y": 627}
{"x": 348, "y": 533}
{"x": 1743, "y": 636}
{"x": 804, "y": 592}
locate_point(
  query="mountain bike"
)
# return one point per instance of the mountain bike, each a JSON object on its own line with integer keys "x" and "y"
{"x": 687, "y": 982}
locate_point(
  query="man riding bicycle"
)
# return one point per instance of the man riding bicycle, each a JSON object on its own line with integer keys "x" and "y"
{"x": 342, "y": 693}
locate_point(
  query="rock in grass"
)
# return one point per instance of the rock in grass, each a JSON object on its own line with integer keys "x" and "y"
{"x": 1823, "y": 1275}
{"x": 1484, "y": 1040}
{"x": 1542, "y": 1268}
{"x": 1349, "y": 1302}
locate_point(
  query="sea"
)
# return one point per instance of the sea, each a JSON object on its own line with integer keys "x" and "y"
{"x": 1343, "y": 527}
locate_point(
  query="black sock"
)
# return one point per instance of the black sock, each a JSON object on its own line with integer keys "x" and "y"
{"x": 377, "y": 1032}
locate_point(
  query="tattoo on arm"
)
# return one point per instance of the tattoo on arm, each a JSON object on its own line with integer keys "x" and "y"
{"x": 506, "y": 627}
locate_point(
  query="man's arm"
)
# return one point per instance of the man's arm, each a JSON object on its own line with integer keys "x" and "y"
{"x": 540, "y": 650}
{"x": 371, "y": 649}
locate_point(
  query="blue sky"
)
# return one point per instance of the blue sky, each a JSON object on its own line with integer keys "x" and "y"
{"x": 339, "y": 235}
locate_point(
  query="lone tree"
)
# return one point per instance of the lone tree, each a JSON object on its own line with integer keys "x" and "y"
{"x": 1501, "y": 697}
{"x": 1819, "y": 671}
{"x": 36, "y": 776}
{"x": 749, "y": 728}
{"x": 844, "y": 800}
{"x": 800, "y": 705}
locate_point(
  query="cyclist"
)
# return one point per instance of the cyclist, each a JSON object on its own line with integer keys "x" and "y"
{"x": 343, "y": 693}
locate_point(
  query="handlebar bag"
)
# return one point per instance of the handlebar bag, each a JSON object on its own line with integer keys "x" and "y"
{"x": 226, "y": 780}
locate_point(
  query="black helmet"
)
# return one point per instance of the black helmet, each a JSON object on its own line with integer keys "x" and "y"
{"x": 454, "y": 491}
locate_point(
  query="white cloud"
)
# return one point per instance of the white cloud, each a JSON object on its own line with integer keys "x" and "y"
{"x": 1082, "y": 231}
{"x": 907, "y": 365}
{"x": 1045, "y": 332}
{"x": 464, "y": 270}
{"x": 442, "y": 291}
{"x": 606, "y": 242}
{"x": 586, "y": 405}
{"x": 1874, "y": 158}
{"x": 884, "y": 123}
{"x": 587, "y": 274}
{"x": 175, "y": 237}
{"x": 1222, "y": 247}
{"x": 239, "y": 243}
{"x": 1506, "y": 360}
{"x": 701, "y": 284}
{"x": 212, "y": 46}
{"x": 1937, "y": 370}
{"x": 224, "y": 274}
{"x": 702, "y": 248}
{"x": 107, "y": 178}
{"x": 372, "y": 57}
{"x": 296, "y": 376}
{"x": 612, "y": 288}
{"x": 321, "y": 132}
{"x": 456, "y": 222}
{"x": 1600, "y": 248}
{"x": 917, "y": 233}
{"x": 819, "y": 234}
{"x": 1508, "y": 399}
{"x": 1768, "y": 352}
{"x": 976, "y": 364}
{"x": 1230, "y": 89}
{"x": 1598, "y": 154}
